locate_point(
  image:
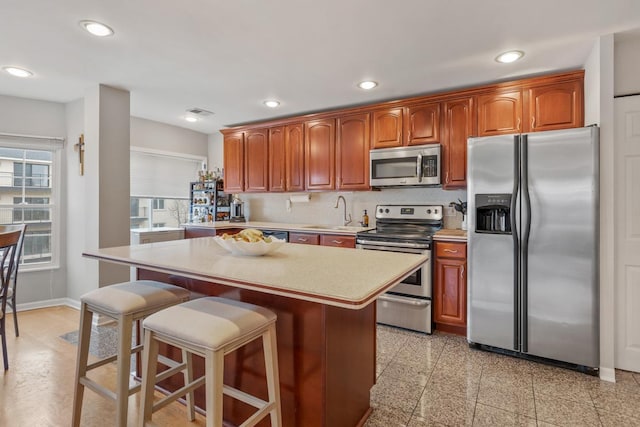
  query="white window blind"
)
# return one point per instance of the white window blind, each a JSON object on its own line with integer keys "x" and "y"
{"x": 162, "y": 175}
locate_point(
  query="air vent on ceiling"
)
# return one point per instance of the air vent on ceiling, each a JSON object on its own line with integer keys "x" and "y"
{"x": 200, "y": 112}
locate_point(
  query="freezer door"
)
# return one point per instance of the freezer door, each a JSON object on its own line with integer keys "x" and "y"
{"x": 562, "y": 280}
{"x": 491, "y": 164}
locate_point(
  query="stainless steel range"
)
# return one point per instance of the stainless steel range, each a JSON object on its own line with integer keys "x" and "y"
{"x": 407, "y": 229}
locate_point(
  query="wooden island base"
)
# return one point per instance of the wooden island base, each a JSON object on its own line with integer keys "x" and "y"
{"x": 326, "y": 356}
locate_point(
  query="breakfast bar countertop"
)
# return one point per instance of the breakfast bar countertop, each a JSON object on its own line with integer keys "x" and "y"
{"x": 337, "y": 277}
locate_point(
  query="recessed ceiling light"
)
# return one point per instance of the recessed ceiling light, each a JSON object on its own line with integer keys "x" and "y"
{"x": 511, "y": 56}
{"x": 96, "y": 28}
{"x": 191, "y": 119}
{"x": 18, "y": 72}
{"x": 272, "y": 103}
{"x": 368, "y": 84}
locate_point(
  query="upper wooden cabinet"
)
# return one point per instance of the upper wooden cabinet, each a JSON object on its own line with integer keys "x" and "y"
{"x": 556, "y": 106}
{"x": 387, "y": 128}
{"x": 256, "y": 160}
{"x": 320, "y": 155}
{"x": 352, "y": 152}
{"x": 277, "y": 159}
{"x": 500, "y": 112}
{"x": 294, "y": 152}
{"x": 233, "y": 147}
{"x": 422, "y": 124}
{"x": 413, "y": 125}
{"x": 459, "y": 124}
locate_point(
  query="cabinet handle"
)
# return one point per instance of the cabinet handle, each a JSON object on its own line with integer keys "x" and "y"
{"x": 451, "y": 251}
{"x": 301, "y": 239}
{"x": 446, "y": 178}
{"x": 533, "y": 122}
{"x": 518, "y": 125}
{"x": 337, "y": 242}
{"x": 462, "y": 272}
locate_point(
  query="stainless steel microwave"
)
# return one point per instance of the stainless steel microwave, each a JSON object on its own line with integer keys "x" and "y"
{"x": 406, "y": 166}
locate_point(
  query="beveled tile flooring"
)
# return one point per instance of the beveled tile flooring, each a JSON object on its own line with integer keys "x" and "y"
{"x": 437, "y": 380}
{"x": 423, "y": 380}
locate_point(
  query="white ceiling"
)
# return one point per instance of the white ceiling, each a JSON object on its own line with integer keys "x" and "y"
{"x": 228, "y": 57}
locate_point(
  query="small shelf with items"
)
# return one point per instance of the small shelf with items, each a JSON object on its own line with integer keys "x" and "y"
{"x": 209, "y": 202}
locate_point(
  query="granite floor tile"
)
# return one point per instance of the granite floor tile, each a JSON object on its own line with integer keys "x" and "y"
{"x": 439, "y": 407}
{"x": 488, "y": 416}
{"x": 636, "y": 376}
{"x": 383, "y": 416}
{"x": 421, "y": 422}
{"x": 396, "y": 394}
{"x": 566, "y": 385}
{"x": 425, "y": 358}
{"x": 612, "y": 419}
{"x": 418, "y": 375}
{"x": 507, "y": 376}
{"x": 562, "y": 412}
{"x": 454, "y": 383}
{"x": 616, "y": 400}
{"x": 508, "y": 397}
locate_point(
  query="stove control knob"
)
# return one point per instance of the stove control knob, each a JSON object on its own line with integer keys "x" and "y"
{"x": 435, "y": 211}
{"x": 428, "y": 211}
{"x": 380, "y": 210}
{"x": 386, "y": 211}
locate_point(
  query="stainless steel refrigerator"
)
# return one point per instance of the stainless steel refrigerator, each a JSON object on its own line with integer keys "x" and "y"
{"x": 533, "y": 244}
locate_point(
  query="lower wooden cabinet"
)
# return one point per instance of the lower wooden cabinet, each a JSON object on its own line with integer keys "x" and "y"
{"x": 450, "y": 287}
{"x": 338, "y": 240}
{"x": 304, "y": 238}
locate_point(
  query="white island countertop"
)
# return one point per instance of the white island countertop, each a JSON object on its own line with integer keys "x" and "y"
{"x": 305, "y": 228}
{"x": 347, "y": 278}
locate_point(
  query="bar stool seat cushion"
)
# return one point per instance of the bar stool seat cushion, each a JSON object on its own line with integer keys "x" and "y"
{"x": 132, "y": 297}
{"x": 209, "y": 323}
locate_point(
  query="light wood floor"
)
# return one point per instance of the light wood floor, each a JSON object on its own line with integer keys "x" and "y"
{"x": 37, "y": 390}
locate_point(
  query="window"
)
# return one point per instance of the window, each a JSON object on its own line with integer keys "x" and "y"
{"x": 28, "y": 194}
{"x": 158, "y": 198}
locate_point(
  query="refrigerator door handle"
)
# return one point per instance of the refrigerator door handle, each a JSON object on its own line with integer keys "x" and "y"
{"x": 526, "y": 202}
{"x": 516, "y": 243}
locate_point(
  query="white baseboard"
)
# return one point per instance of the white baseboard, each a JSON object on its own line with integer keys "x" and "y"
{"x": 49, "y": 303}
{"x": 608, "y": 374}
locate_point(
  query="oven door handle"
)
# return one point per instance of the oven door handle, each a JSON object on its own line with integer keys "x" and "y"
{"x": 390, "y": 246}
{"x": 405, "y": 300}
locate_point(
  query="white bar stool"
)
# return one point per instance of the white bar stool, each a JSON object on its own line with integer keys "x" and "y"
{"x": 211, "y": 327}
{"x": 126, "y": 303}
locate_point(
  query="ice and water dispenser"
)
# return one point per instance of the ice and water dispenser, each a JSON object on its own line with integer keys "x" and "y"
{"x": 493, "y": 213}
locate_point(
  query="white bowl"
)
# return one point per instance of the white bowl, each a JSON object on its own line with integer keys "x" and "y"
{"x": 239, "y": 247}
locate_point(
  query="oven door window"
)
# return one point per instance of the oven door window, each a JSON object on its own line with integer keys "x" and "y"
{"x": 404, "y": 167}
{"x": 414, "y": 279}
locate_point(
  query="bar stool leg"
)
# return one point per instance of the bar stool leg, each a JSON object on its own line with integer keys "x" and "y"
{"x": 149, "y": 368}
{"x": 125, "y": 324}
{"x": 214, "y": 376}
{"x": 270, "y": 349}
{"x": 188, "y": 379}
{"x": 84, "y": 336}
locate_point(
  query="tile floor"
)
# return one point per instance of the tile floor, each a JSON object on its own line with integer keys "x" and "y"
{"x": 437, "y": 380}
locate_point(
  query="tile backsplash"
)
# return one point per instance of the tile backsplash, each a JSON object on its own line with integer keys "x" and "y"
{"x": 275, "y": 207}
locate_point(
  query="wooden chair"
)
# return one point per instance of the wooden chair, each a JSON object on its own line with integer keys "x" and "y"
{"x": 11, "y": 296}
{"x": 9, "y": 239}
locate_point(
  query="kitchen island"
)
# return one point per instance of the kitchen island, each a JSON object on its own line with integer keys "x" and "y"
{"x": 325, "y": 301}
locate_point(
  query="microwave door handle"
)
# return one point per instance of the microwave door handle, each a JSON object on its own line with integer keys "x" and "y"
{"x": 419, "y": 168}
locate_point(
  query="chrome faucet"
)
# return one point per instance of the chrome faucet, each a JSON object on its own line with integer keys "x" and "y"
{"x": 347, "y": 221}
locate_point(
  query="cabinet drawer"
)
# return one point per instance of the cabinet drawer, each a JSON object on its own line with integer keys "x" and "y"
{"x": 304, "y": 238}
{"x": 451, "y": 250}
{"x": 337, "y": 240}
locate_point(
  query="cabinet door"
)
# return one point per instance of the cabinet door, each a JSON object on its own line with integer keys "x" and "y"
{"x": 233, "y": 147}
{"x": 387, "y": 128}
{"x": 294, "y": 151}
{"x": 352, "y": 152}
{"x": 500, "y": 113}
{"x": 304, "y": 238}
{"x": 320, "y": 155}
{"x": 556, "y": 106}
{"x": 459, "y": 124}
{"x": 256, "y": 160}
{"x": 277, "y": 159}
{"x": 338, "y": 241}
{"x": 450, "y": 286}
{"x": 422, "y": 124}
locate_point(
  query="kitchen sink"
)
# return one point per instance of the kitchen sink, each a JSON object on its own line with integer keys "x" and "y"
{"x": 333, "y": 227}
